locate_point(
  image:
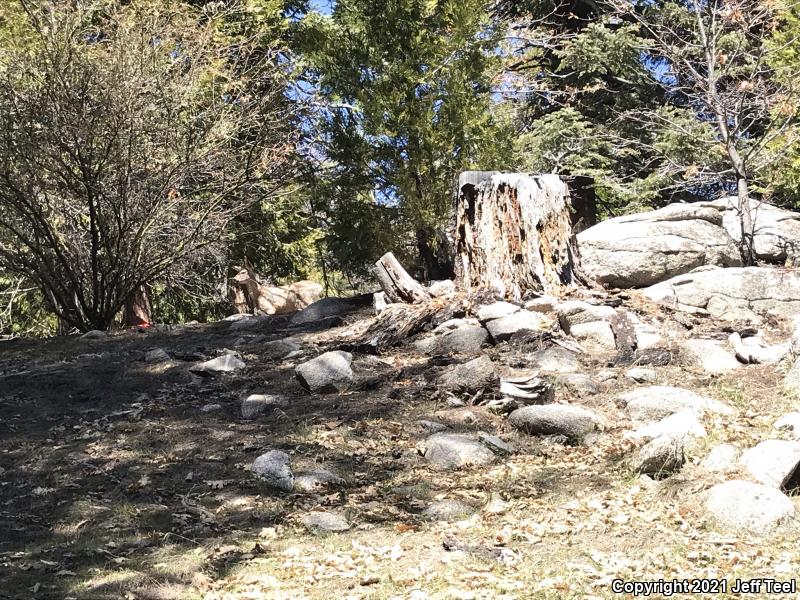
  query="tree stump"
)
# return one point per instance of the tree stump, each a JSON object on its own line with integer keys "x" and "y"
{"x": 513, "y": 234}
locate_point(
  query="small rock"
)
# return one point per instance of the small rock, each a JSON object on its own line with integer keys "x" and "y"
{"x": 227, "y": 363}
{"x": 379, "y": 302}
{"x": 710, "y": 356}
{"x": 503, "y": 328}
{"x": 657, "y": 401}
{"x": 255, "y": 404}
{"x": 432, "y": 426}
{"x": 495, "y": 444}
{"x": 315, "y": 480}
{"x": 274, "y": 468}
{"x": 772, "y": 462}
{"x": 661, "y": 457}
{"x": 470, "y": 377}
{"x": 238, "y": 317}
{"x": 448, "y": 510}
{"x": 721, "y": 458}
{"x": 554, "y": 419}
{"x": 329, "y": 372}
{"x": 498, "y": 310}
{"x": 680, "y": 424}
{"x": 647, "y": 336}
{"x": 596, "y": 335}
{"x": 280, "y": 348}
{"x": 641, "y": 375}
{"x": 94, "y": 334}
{"x": 465, "y": 338}
{"x": 789, "y": 422}
{"x": 157, "y": 355}
{"x": 441, "y": 289}
{"x": 576, "y": 312}
{"x": 320, "y": 522}
{"x": 543, "y": 304}
{"x": 555, "y": 360}
{"x": 742, "y": 505}
{"x": 452, "y": 450}
{"x": 578, "y": 383}
{"x": 208, "y": 408}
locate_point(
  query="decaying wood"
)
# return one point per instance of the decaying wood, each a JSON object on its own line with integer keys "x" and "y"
{"x": 137, "y": 310}
{"x": 397, "y": 283}
{"x": 398, "y": 322}
{"x": 513, "y": 234}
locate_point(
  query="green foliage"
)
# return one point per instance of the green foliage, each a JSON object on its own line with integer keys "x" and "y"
{"x": 405, "y": 87}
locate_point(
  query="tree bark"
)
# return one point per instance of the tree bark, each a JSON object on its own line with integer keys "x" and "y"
{"x": 397, "y": 283}
{"x": 137, "y": 310}
{"x": 514, "y": 234}
{"x": 746, "y": 221}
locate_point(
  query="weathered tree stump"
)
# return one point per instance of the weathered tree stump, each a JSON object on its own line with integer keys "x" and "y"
{"x": 137, "y": 310}
{"x": 513, "y": 234}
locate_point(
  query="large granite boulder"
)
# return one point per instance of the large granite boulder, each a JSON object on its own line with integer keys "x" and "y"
{"x": 329, "y": 372}
{"x": 776, "y": 231}
{"x": 573, "y": 422}
{"x": 453, "y": 450}
{"x": 733, "y": 294}
{"x": 646, "y": 248}
{"x": 749, "y": 507}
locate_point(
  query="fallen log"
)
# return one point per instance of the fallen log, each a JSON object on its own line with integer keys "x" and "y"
{"x": 398, "y": 285}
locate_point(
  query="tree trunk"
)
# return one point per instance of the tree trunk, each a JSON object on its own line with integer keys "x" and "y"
{"x": 514, "y": 235}
{"x": 137, "y": 310}
{"x": 397, "y": 283}
{"x": 746, "y": 220}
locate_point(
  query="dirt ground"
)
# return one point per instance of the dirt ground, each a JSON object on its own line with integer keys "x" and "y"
{"x": 115, "y": 484}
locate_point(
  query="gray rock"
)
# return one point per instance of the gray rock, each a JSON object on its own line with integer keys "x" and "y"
{"x": 644, "y": 249}
{"x": 94, "y": 334}
{"x": 573, "y": 422}
{"x": 452, "y": 450}
{"x": 328, "y": 308}
{"x": 442, "y": 289}
{"x": 657, "y": 401}
{"x": 497, "y": 310}
{"x": 448, "y": 510}
{"x": 772, "y": 462}
{"x": 471, "y": 376}
{"x": 329, "y": 372}
{"x": 641, "y": 375}
{"x": 495, "y": 444}
{"x": 227, "y": 363}
{"x": 543, "y": 304}
{"x": 156, "y": 355}
{"x": 578, "y": 383}
{"x": 661, "y": 457}
{"x": 465, "y": 338}
{"x": 721, "y": 458}
{"x": 255, "y": 404}
{"x": 776, "y": 231}
{"x": 555, "y": 360}
{"x": 321, "y": 522}
{"x": 280, "y": 348}
{"x": 379, "y": 303}
{"x": 746, "y": 506}
{"x": 238, "y": 317}
{"x": 710, "y": 356}
{"x": 745, "y": 293}
{"x": 432, "y": 426}
{"x": 316, "y": 480}
{"x": 211, "y": 407}
{"x": 274, "y": 468}
{"x": 576, "y": 312}
{"x": 789, "y": 422}
{"x": 503, "y": 328}
{"x": 679, "y": 425}
{"x": 596, "y": 336}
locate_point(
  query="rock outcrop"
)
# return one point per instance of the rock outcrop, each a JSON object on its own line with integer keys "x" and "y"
{"x": 646, "y": 248}
{"x": 732, "y": 294}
